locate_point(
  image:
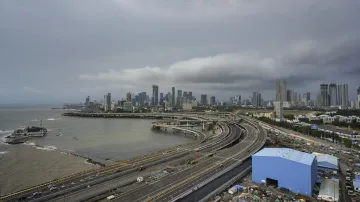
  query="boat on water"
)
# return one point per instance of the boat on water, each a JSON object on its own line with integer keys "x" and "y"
{"x": 17, "y": 137}
{"x": 23, "y": 134}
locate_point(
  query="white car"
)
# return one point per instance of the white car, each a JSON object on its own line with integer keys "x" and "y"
{"x": 52, "y": 188}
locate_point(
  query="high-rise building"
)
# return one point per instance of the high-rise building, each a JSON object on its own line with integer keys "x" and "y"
{"x": 295, "y": 97}
{"x": 333, "y": 95}
{"x": 178, "y": 98}
{"x": 185, "y": 94}
{"x": 203, "y": 99}
{"x": 358, "y": 98}
{"x": 161, "y": 99}
{"x": 324, "y": 95}
{"x": 290, "y": 96}
{"x": 212, "y": 100}
{"x": 256, "y": 99}
{"x": 299, "y": 97}
{"x": 190, "y": 96}
{"x": 155, "y": 95}
{"x": 87, "y": 101}
{"x": 173, "y": 97}
{"x": 343, "y": 95}
{"x": 308, "y": 96}
{"x": 281, "y": 91}
{"x": 128, "y": 97}
{"x": 238, "y": 99}
{"x": 108, "y": 102}
{"x": 278, "y": 107}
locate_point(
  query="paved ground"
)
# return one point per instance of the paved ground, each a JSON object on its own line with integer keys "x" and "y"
{"x": 343, "y": 191}
{"x": 207, "y": 189}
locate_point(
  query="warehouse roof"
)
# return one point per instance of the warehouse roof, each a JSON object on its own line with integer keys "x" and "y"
{"x": 329, "y": 188}
{"x": 289, "y": 154}
{"x": 327, "y": 161}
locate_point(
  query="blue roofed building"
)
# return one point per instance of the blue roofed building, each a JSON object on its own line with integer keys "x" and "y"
{"x": 285, "y": 168}
{"x": 328, "y": 163}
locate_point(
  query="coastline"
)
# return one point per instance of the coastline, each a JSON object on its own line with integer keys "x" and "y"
{"x": 38, "y": 168}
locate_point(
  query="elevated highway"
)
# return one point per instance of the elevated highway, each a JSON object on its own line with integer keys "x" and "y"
{"x": 94, "y": 176}
{"x": 85, "y": 194}
{"x": 231, "y": 158}
{"x": 171, "y": 187}
{"x": 80, "y": 182}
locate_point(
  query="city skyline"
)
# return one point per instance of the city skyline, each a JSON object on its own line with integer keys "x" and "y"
{"x": 52, "y": 53}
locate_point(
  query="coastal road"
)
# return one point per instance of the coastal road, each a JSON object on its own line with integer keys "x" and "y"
{"x": 168, "y": 188}
{"x": 95, "y": 174}
{"x": 84, "y": 190}
{"x": 237, "y": 153}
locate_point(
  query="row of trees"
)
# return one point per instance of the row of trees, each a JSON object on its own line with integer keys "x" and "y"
{"x": 308, "y": 131}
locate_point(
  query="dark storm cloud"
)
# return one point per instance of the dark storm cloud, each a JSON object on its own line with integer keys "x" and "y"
{"x": 67, "y": 49}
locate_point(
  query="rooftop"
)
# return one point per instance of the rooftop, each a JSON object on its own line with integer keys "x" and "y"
{"x": 329, "y": 188}
{"x": 287, "y": 153}
{"x": 328, "y": 158}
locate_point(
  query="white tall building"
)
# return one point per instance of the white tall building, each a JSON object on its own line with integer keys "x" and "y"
{"x": 186, "y": 105}
{"x": 278, "y": 107}
{"x": 343, "y": 95}
{"x": 281, "y": 91}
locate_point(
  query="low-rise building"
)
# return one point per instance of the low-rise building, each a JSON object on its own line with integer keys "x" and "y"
{"x": 128, "y": 107}
{"x": 329, "y": 190}
{"x": 285, "y": 168}
{"x": 327, "y": 163}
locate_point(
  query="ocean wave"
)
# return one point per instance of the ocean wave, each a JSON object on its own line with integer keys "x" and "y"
{"x": 29, "y": 143}
{"x": 5, "y": 131}
{"x": 35, "y": 120}
{"x": 46, "y": 148}
{"x": 3, "y": 152}
{"x": 53, "y": 119}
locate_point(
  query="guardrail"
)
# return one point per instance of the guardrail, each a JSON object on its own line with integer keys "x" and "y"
{"x": 225, "y": 185}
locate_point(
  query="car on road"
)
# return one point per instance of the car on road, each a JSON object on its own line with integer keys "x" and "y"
{"x": 38, "y": 193}
{"x": 52, "y": 188}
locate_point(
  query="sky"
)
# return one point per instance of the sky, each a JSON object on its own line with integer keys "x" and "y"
{"x": 62, "y": 51}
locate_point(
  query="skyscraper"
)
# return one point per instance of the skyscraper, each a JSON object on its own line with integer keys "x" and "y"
{"x": 281, "y": 91}
{"x": 108, "y": 102}
{"x": 324, "y": 95}
{"x": 256, "y": 99}
{"x": 178, "y": 98}
{"x": 190, "y": 95}
{"x": 203, "y": 99}
{"x": 278, "y": 90}
{"x": 290, "y": 95}
{"x": 358, "y": 94}
{"x": 173, "y": 97}
{"x": 343, "y": 95}
{"x": 128, "y": 97}
{"x": 155, "y": 95}
{"x": 333, "y": 94}
{"x": 308, "y": 96}
{"x": 212, "y": 100}
{"x": 161, "y": 98}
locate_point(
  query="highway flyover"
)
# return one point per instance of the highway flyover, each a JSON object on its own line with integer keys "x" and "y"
{"x": 80, "y": 182}
{"x": 173, "y": 186}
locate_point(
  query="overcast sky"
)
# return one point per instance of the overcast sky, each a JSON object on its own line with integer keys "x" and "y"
{"x": 61, "y": 51}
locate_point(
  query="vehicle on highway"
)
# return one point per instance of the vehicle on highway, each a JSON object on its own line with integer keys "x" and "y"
{"x": 52, "y": 188}
{"x": 141, "y": 168}
{"x": 221, "y": 165}
{"x": 37, "y": 193}
{"x": 209, "y": 155}
{"x": 110, "y": 197}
